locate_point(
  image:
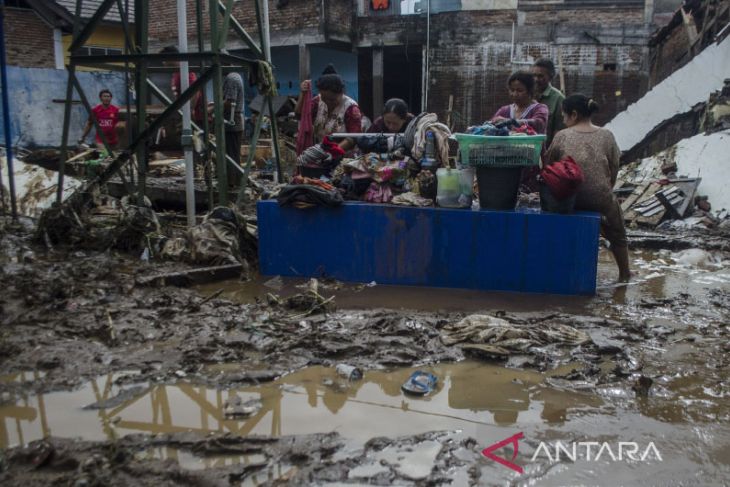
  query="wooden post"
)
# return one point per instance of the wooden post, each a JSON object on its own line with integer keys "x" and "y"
{"x": 560, "y": 69}
{"x": 377, "y": 81}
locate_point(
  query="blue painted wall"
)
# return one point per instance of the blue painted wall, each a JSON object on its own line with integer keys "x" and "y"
{"x": 286, "y": 65}
{"x": 36, "y": 120}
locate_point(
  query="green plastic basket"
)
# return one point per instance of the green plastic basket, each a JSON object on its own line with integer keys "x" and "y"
{"x": 495, "y": 151}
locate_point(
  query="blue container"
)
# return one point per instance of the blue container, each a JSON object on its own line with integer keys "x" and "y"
{"x": 524, "y": 251}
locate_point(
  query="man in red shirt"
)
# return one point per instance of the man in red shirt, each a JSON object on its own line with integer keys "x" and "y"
{"x": 197, "y": 110}
{"x": 107, "y": 116}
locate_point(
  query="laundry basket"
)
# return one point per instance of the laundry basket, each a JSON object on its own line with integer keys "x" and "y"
{"x": 499, "y": 162}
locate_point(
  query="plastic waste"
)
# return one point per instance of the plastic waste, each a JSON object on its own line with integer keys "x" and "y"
{"x": 429, "y": 155}
{"x": 349, "y": 372}
{"x": 448, "y": 187}
{"x": 420, "y": 383}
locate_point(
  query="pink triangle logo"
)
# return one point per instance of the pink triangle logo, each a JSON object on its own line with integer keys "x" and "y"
{"x": 487, "y": 452}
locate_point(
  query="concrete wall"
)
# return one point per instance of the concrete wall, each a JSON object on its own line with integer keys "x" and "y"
{"x": 690, "y": 85}
{"x": 36, "y": 109}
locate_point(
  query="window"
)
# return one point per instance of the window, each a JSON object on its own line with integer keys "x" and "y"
{"x": 99, "y": 51}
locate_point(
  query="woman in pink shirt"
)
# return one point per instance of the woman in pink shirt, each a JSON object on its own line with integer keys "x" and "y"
{"x": 524, "y": 109}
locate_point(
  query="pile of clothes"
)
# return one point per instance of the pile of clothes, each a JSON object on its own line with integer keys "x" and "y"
{"x": 305, "y": 193}
{"x": 502, "y": 129}
{"x": 325, "y": 155}
{"x": 383, "y": 168}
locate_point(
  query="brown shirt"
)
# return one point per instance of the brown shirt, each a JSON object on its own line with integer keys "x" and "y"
{"x": 598, "y": 156}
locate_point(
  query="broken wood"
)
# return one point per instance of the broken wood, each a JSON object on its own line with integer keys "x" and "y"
{"x": 192, "y": 277}
{"x": 81, "y": 155}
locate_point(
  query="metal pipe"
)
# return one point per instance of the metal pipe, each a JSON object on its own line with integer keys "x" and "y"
{"x": 6, "y": 114}
{"x": 208, "y": 171}
{"x": 220, "y": 136}
{"x": 265, "y": 29}
{"x": 341, "y": 135}
{"x": 141, "y": 20}
{"x": 187, "y": 134}
{"x": 427, "y": 57}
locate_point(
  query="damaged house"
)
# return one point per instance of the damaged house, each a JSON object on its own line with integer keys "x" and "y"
{"x": 453, "y": 57}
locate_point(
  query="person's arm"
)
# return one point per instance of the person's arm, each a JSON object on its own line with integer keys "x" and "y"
{"x": 377, "y": 126}
{"x": 557, "y": 116}
{"x": 87, "y": 129}
{"x": 353, "y": 125}
{"x": 537, "y": 119}
{"x": 304, "y": 87}
{"x": 614, "y": 158}
{"x": 501, "y": 114}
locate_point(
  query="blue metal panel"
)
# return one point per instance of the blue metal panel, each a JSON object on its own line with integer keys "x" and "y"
{"x": 494, "y": 250}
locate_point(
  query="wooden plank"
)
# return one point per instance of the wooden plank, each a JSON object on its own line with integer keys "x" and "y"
{"x": 192, "y": 277}
{"x": 80, "y": 156}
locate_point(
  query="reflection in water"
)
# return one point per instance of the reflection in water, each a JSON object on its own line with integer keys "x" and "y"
{"x": 312, "y": 400}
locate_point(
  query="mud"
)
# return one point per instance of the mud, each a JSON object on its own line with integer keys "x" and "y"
{"x": 655, "y": 367}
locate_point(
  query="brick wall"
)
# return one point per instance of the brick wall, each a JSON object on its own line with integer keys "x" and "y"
{"x": 28, "y": 39}
{"x": 339, "y": 15}
{"x": 598, "y": 16}
{"x": 472, "y": 61}
{"x": 297, "y": 16}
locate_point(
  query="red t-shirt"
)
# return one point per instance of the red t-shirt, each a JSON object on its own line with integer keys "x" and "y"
{"x": 107, "y": 118}
{"x": 197, "y": 103}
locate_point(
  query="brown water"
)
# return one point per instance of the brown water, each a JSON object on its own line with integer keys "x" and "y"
{"x": 656, "y": 275}
{"x": 482, "y": 401}
{"x": 687, "y": 416}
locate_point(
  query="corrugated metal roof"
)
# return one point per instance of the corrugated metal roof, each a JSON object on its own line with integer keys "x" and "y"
{"x": 89, "y": 7}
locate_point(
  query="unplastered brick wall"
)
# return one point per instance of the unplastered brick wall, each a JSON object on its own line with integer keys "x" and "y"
{"x": 479, "y": 89}
{"x": 339, "y": 15}
{"x": 577, "y": 15}
{"x": 670, "y": 55}
{"x": 290, "y": 19}
{"x": 473, "y": 65}
{"x": 28, "y": 39}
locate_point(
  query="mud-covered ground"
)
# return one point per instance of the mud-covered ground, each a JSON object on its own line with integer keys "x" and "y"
{"x": 658, "y": 349}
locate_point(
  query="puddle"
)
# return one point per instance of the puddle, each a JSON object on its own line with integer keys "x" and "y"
{"x": 659, "y": 275}
{"x": 311, "y": 400}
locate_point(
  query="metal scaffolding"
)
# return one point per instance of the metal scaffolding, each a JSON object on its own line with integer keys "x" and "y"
{"x": 136, "y": 60}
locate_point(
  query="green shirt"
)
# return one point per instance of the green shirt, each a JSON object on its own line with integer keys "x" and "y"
{"x": 553, "y": 98}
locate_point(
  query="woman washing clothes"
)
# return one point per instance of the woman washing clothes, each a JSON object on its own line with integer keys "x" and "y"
{"x": 395, "y": 119}
{"x": 331, "y": 110}
{"x": 595, "y": 150}
{"x": 523, "y": 109}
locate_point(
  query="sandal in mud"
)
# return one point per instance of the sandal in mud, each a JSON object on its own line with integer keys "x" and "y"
{"x": 420, "y": 383}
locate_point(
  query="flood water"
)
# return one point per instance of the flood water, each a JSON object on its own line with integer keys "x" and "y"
{"x": 686, "y": 417}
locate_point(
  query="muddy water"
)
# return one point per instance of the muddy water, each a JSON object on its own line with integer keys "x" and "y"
{"x": 686, "y": 415}
{"x": 482, "y": 401}
{"x": 658, "y": 275}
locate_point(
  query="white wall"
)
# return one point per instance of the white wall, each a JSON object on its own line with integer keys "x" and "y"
{"x": 677, "y": 94}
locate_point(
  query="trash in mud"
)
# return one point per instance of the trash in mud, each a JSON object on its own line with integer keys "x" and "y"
{"x": 420, "y": 383}
{"x": 500, "y": 337}
{"x": 349, "y": 372}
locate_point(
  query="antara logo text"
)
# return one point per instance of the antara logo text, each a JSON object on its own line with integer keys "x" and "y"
{"x": 590, "y": 451}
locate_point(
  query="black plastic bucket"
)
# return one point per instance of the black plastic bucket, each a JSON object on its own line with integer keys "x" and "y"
{"x": 550, "y": 204}
{"x": 313, "y": 172}
{"x": 498, "y": 187}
